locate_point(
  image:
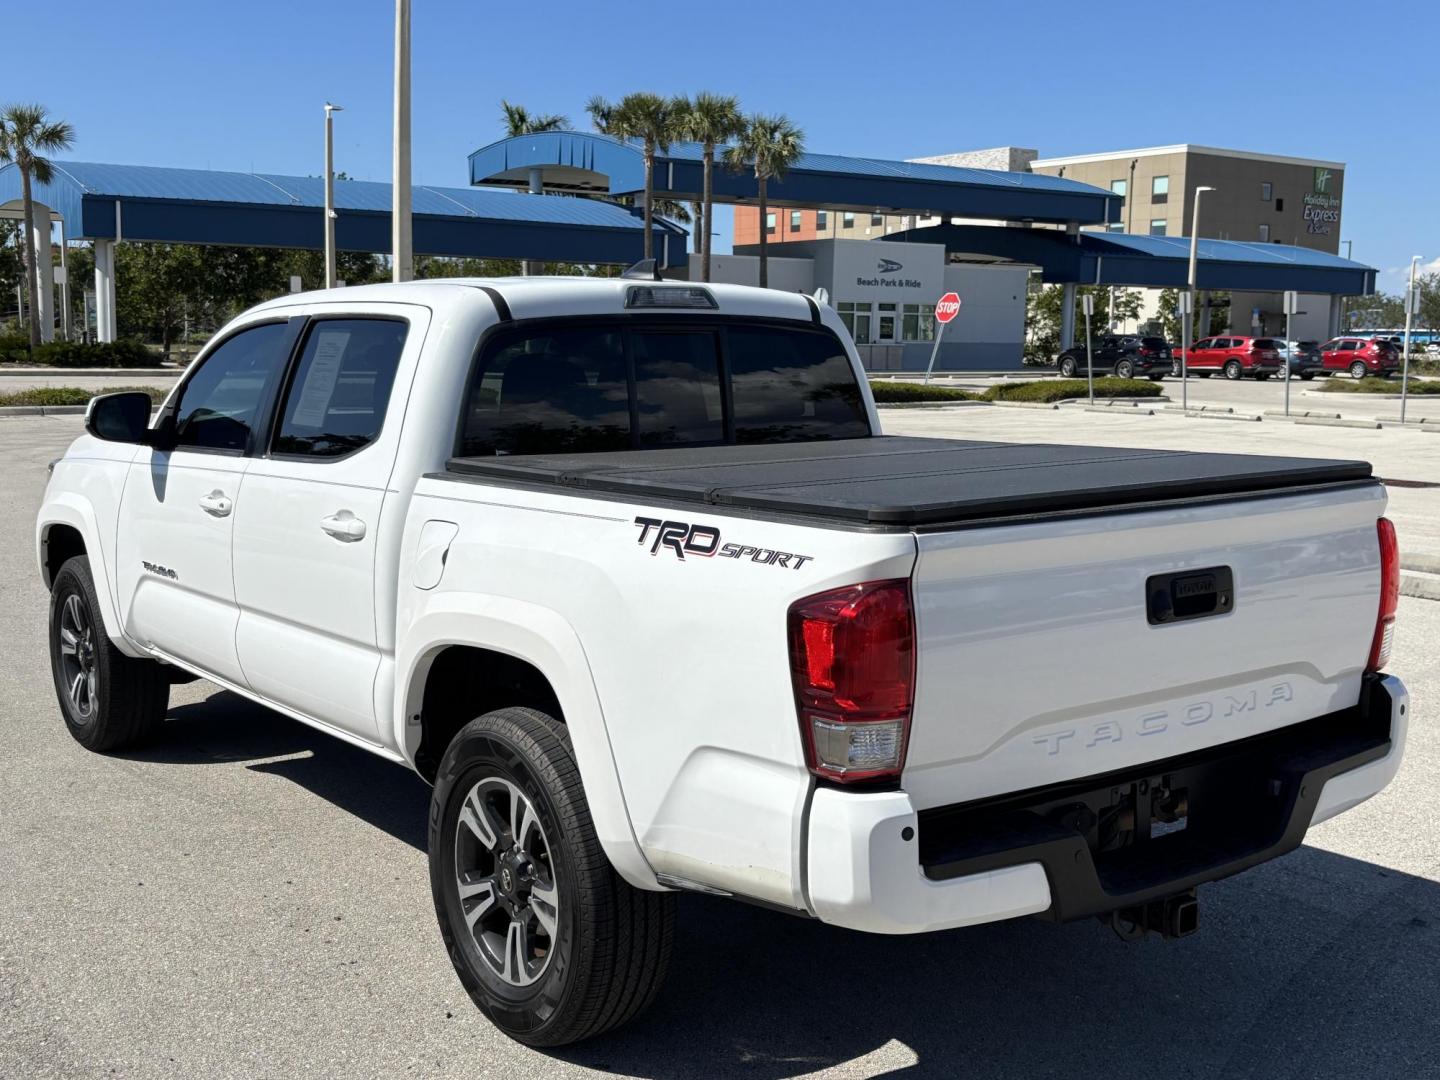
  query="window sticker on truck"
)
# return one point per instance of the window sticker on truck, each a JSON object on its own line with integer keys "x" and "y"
{"x": 683, "y": 537}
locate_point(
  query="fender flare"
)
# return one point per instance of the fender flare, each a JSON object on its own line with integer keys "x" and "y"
{"x": 68, "y": 508}
{"x": 544, "y": 639}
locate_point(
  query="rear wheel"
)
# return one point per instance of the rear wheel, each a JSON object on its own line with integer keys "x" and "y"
{"x": 549, "y": 941}
{"x": 110, "y": 701}
{"x": 1357, "y": 370}
{"x": 1124, "y": 369}
{"x": 1067, "y": 367}
{"x": 1233, "y": 370}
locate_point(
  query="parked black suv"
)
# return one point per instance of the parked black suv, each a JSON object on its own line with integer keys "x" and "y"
{"x": 1124, "y": 355}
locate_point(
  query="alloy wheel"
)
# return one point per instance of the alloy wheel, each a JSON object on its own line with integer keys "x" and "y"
{"x": 506, "y": 881}
{"x": 77, "y": 657}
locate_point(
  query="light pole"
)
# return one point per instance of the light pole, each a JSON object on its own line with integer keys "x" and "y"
{"x": 402, "y": 262}
{"x": 330, "y": 110}
{"x": 1410, "y": 306}
{"x": 1190, "y": 304}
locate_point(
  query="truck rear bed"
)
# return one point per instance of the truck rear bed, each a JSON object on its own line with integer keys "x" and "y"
{"x": 902, "y": 482}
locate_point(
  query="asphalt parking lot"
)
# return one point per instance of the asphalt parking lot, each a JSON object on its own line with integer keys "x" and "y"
{"x": 249, "y": 898}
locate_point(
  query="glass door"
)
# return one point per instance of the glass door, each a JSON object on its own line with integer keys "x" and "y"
{"x": 885, "y": 332}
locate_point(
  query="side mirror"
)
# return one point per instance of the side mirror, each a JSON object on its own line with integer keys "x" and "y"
{"x": 121, "y": 418}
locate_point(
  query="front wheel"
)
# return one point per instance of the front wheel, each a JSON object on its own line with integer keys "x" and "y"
{"x": 549, "y": 941}
{"x": 110, "y": 701}
{"x": 1067, "y": 367}
{"x": 1124, "y": 369}
{"x": 1357, "y": 370}
{"x": 1233, "y": 370}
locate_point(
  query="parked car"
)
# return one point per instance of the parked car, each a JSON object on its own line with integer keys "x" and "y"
{"x": 627, "y": 571}
{"x": 1303, "y": 358}
{"x": 1233, "y": 357}
{"x": 1125, "y": 356}
{"x": 1361, "y": 356}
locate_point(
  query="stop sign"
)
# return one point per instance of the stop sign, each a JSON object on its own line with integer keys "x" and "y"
{"x": 947, "y": 308}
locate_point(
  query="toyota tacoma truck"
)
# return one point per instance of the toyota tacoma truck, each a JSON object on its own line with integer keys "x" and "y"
{"x": 629, "y": 573}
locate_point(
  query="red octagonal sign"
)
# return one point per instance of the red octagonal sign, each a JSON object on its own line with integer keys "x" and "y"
{"x": 947, "y": 308}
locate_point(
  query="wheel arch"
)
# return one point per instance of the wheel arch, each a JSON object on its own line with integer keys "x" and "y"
{"x": 67, "y": 527}
{"x": 515, "y": 653}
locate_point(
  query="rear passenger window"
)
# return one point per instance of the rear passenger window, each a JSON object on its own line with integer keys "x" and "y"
{"x": 677, "y": 388}
{"x": 790, "y": 386}
{"x": 340, "y": 389}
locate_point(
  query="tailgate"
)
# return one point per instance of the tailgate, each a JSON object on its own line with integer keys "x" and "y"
{"x": 1038, "y": 661}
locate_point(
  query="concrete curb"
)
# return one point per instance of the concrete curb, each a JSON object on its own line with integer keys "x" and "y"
{"x": 1424, "y": 586}
{"x": 1320, "y": 421}
{"x": 102, "y": 372}
{"x": 43, "y": 410}
{"x": 1026, "y": 404}
{"x": 1200, "y": 408}
{"x": 1425, "y": 564}
{"x": 1195, "y": 414}
{"x": 927, "y": 404}
{"x": 1279, "y": 414}
{"x": 1102, "y": 402}
{"x": 1111, "y": 411}
{"x": 1409, "y": 422}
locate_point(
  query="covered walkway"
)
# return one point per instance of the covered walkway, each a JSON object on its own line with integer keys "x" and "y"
{"x": 113, "y": 203}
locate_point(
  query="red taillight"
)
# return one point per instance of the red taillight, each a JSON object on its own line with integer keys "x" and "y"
{"x": 852, "y": 661}
{"x": 1389, "y": 595}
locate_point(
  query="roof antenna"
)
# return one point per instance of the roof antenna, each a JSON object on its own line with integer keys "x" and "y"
{"x": 644, "y": 270}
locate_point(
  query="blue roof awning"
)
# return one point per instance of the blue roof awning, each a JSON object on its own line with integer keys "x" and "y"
{"x": 581, "y": 161}
{"x": 1095, "y": 258}
{"x": 201, "y": 206}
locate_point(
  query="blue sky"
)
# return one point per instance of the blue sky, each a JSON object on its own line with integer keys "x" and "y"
{"x": 240, "y": 86}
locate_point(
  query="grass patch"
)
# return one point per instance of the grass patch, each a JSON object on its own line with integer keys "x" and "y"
{"x": 70, "y": 395}
{"x": 888, "y": 392}
{"x": 1376, "y": 386}
{"x": 1046, "y": 390}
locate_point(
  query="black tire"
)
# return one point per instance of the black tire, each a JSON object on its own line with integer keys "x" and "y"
{"x": 1234, "y": 371}
{"x": 611, "y": 940}
{"x": 110, "y": 701}
{"x": 1157, "y": 378}
{"x": 1357, "y": 370}
{"x": 1124, "y": 369}
{"x": 1067, "y": 367}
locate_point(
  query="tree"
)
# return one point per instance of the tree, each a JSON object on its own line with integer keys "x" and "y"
{"x": 650, "y": 119}
{"x": 710, "y": 119}
{"x": 518, "y": 120}
{"x": 27, "y": 134}
{"x": 1042, "y": 317}
{"x": 600, "y": 112}
{"x": 769, "y": 145}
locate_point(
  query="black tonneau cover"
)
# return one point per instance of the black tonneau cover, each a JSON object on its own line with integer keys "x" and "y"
{"x": 901, "y": 481}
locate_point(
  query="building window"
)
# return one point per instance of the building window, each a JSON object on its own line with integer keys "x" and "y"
{"x": 1267, "y": 190}
{"x": 769, "y": 224}
{"x": 1119, "y": 187}
{"x": 1160, "y": 189}
{"x": 917, "y": 322}
{"x": 847, "y": 220}
{"x": 1157, "y": 226}
{"x": 1264, "y": 234}
{"x": 822, "y": 220}
{"x": 1279, "y": 205}
{"x": 794, "y": 220}
{"x": 1115, "y": 226}
{"x": 877, "y": 220}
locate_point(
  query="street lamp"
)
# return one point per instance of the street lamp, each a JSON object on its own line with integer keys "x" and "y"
{"x": 1410, "y": 306}
{"x": 1190, "y": 301}
{"x": 402, "y": 260}
{"x": 330, "y": 110}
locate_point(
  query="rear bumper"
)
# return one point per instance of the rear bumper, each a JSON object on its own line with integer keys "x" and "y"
{"x": 875, "y": 864}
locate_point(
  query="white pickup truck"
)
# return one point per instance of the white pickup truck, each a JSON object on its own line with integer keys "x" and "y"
{"x": 629, "y": 573}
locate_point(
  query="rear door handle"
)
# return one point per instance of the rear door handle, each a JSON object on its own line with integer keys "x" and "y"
{"x": 216, "y": 504}
{"x": 344, "y": 525}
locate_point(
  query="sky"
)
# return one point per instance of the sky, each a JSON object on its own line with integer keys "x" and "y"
{"x": 242, "y": 86}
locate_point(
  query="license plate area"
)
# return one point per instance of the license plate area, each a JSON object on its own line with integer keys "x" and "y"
{"x": 1189, "y": 594}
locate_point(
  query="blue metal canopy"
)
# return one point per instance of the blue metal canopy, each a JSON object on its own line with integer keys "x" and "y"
{"x": 199, "y": 206}
{"x": 1093, "y": 258}
{"x": 580, "y": 161}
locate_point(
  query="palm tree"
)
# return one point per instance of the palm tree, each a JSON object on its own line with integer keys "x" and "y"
{"x": 26, "y": 135}
{"x": 710, "y": 119}
{"x": 651, "y": 119}
{"x": 518, "y": 120}
{"x": 769, "y": 145}
{"x": 600, "y": 112}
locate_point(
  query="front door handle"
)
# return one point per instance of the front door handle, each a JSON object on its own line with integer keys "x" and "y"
{"x": 216, "y": 504}
{"x": 343, "y": 525}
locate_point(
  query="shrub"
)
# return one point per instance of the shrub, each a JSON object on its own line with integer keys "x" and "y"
{"x": 14, "y": 348}
{"x": 890, "y": 392}
{"x": 1376, "y": 386}
{"x": 1046, "y": 390}
{"x": 70, "y": 395}
{"x": 78, "y": 354}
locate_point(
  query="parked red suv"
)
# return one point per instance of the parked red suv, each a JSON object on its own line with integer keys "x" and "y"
{"x": 1360, "y": 356}
{"x": 1234, "y": 357}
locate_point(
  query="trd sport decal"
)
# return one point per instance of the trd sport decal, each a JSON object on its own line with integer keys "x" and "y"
{"x": 703, "y": 541}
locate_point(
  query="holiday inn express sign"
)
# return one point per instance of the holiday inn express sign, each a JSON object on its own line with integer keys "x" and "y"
{"x": 1322, "y": 210}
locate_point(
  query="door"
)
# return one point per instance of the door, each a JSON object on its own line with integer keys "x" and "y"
{"x": 1201, "y": 356}
{"x": 311, "y": 520}
{"x": 174, "y": 572}
{"x": 886, "y": 324}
